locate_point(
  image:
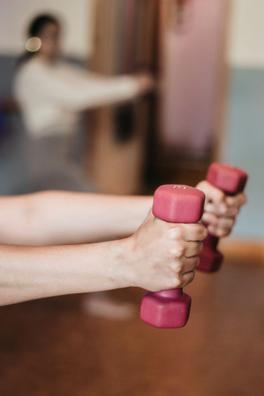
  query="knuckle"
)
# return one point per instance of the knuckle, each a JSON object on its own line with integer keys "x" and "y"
{"x": 175, "y": 233}
{"x": 177, "y": 251}
{"x": 193, "y": 229}
{"x": 179, "y": 232}
{"x": 174, "y": 283}
{"x": 181, "y": 250}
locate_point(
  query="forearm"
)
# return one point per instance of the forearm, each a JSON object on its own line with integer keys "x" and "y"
{"x": 104, "y": 91}
{"x": 97, "y": 217}
{"x": 159, "y": 255}
{"x": 96, "y": 91}
{"x": 67, "y": 217}
{"x": 28, "y": 273}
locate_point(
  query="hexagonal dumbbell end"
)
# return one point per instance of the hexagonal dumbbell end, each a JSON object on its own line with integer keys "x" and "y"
{"x": 231, "y": 181}
{"x": 175, "y": 204}
{"x": 166, "y": 309}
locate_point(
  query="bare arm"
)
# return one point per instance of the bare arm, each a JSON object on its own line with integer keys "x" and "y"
{"x": 158, "y": 256}
{"x": 89, "y": 91}
{"x": 35, "y": 272}
{"x": 67, "y": 217}
{"x": 220, "y": 211}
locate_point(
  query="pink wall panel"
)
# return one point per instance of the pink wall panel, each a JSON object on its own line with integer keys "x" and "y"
{"x": 191, "y": 62}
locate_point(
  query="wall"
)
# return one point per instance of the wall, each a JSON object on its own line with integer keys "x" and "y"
{"x": 244, "y": 137}
{"x": 76, "y": 16}
{"x": 244, "y": 144}
{"x": 246, "y": 33}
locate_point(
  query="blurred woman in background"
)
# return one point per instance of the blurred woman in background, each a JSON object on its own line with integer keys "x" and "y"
{"x": 51, "y": 94}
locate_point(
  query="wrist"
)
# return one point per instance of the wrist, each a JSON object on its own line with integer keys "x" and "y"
{"x": 121, "y": 271}
{"x": 136, "y": 210}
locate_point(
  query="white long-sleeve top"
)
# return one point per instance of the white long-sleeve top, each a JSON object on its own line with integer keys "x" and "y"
{"x": 52, "y": 95}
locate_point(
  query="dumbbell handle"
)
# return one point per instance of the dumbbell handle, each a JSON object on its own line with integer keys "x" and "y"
{"x": 211, "y": 242}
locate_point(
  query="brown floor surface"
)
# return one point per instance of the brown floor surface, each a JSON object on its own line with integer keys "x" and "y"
{"x": 52, "y": 348}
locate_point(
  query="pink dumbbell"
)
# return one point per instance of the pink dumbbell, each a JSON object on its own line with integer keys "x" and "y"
{"x": 231, "y": 181}
{"x": 175, "y": 204}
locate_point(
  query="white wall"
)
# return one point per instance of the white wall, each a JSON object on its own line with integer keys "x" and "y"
{"x": 246, "y": 46}
{"x": 247, "y": 33}
{"x": 76, "y": 16}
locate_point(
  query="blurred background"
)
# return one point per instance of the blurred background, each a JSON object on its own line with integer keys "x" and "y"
{"x": 206, "y": 58}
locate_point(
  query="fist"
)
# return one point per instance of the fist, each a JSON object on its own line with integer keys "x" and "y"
{"x": 164, "y": 255}
{"x": 220, "y": 211}
{"x": 145, "y": 83}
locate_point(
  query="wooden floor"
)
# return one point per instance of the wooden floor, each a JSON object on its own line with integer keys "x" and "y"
{"x": 53, "y": 348}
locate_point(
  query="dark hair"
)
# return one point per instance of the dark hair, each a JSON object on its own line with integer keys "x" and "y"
{"x": 35, "y": 29}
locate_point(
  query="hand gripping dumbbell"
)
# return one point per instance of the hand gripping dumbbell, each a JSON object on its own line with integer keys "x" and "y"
{"x": 175, "y": 204}
{"x": 231, "y": 181}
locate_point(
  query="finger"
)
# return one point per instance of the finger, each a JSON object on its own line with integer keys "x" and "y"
{"x": 187, "y": 278}
{"x": 221, "y": 210}
{"x": 219, "y": 232}
{"x": 237, "y": 201}
{"x": 194, "y": 232}
{"x": 212, "y": 193}
{"x": 192, "y": 249}
{"x": 209, "y": 218}
{"x": 220, "y": 222}
{"x": 189, "y": 264}
{"x": 225, "y": 222}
